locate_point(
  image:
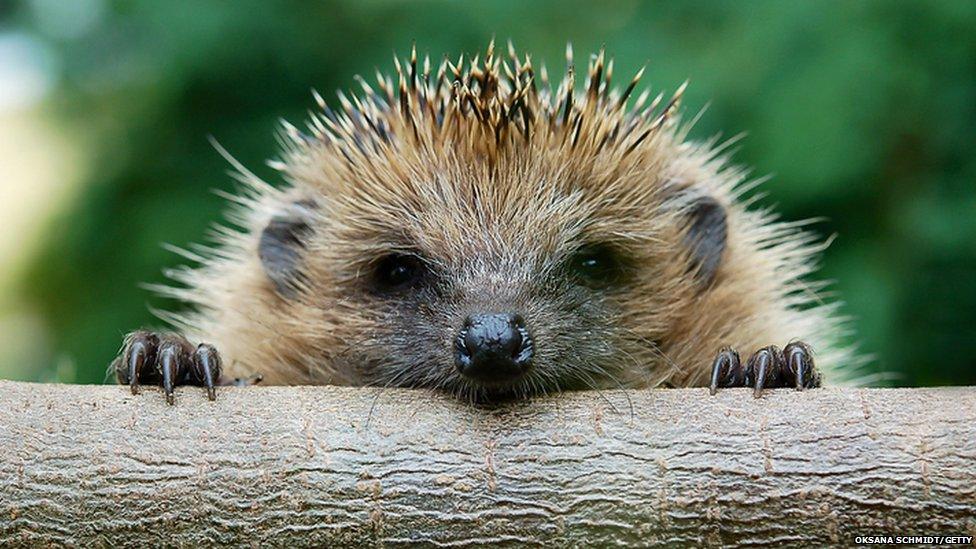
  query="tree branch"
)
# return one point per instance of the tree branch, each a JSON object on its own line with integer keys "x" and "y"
{"x": 94, "y": 465}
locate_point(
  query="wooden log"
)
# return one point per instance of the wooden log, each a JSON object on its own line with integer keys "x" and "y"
{"x": 327, "y": 466}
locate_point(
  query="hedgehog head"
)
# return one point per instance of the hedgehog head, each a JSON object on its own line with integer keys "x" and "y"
{"x": 482, "y": 229}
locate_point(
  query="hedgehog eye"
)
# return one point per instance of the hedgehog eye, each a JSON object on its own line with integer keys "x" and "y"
{"x": 596, "y": 265}
{"x": 397, "y": 272}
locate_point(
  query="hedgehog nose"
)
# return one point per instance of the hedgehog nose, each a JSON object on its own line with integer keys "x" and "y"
{"x": 493, "y": 348}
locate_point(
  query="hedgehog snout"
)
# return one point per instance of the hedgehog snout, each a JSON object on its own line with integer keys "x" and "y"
{"x": 493, "y": 348}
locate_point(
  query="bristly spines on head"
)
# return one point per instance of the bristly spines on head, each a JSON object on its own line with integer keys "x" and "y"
{"x": 492, "y": 103}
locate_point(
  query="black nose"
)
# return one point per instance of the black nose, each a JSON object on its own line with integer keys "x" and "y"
{"x": 493, "y": 348}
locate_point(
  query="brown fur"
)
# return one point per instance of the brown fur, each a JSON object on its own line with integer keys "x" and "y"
{"x": 496, "y": 176}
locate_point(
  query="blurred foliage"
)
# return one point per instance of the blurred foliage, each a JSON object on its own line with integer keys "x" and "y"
{"x": 864, "y": 113}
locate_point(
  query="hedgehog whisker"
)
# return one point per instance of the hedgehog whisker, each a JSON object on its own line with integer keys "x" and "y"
{"x": 600, "y": 370}
{"x": 381, "y": 391}
{"x": 650, "y": 344}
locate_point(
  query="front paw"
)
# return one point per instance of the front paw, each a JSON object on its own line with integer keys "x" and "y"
{"x": 166, "y": 360}
{"x": 768, "y": 367}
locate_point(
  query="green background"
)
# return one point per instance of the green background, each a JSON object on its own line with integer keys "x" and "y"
{"x": 864, "y": 113}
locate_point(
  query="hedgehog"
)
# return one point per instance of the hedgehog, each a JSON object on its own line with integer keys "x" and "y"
{"x": 486, "y": 231}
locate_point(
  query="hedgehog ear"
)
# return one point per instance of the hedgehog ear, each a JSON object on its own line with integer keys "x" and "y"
{"x": 281, "y": 245}
{"x": 706, "y": 237}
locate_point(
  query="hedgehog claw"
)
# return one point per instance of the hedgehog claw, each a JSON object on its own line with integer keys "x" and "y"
{"x": 767, "y": 368}
{"x": 800, "y": 366}
{"x": 137, "y": 359}
{"x": 169, "y": 366}
{"x": 724, "y": 369}
{"x": 206, "y": 362}
{"x": 797, "y": 368}
{"x": 761, "y": 365}
{"x": 167, "y": 361}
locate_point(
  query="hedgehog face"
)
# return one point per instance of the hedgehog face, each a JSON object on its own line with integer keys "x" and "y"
{"x": 505, "y": 311}
{"x": 539, "y": 289}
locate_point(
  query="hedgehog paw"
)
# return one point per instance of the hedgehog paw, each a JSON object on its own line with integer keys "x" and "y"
{"x": 167, "y": 360}
{"x": 768, "y": 367}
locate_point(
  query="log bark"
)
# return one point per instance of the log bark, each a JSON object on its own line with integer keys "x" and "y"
{"x": 326, "y": 466}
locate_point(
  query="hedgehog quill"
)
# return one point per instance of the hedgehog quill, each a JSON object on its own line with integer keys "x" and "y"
{"x": 484, "y": 230}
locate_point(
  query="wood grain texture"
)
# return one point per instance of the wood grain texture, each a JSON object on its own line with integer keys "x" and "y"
{"x": 300, "y": 466}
